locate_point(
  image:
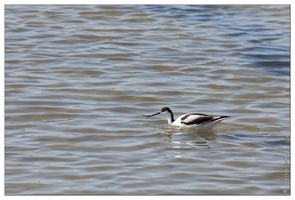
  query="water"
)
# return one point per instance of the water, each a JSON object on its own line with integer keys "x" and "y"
{"x": 78, "y": 78}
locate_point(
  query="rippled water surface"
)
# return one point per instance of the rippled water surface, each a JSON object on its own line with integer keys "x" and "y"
{"x": 79, "y": 77}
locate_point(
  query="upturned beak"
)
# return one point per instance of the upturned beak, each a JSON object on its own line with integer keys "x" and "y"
{"x": 152, "y": 114}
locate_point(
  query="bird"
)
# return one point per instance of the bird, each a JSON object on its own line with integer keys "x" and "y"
{"x": 190, "y": 120}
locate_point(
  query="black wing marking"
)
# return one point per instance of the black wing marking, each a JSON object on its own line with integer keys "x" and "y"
{"x": 190, "y": 114}
{"x": 200, "y": 120}
{"x": 203, "y": 119}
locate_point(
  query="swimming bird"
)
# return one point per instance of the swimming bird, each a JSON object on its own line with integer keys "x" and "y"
{"x": 191, "y": 120}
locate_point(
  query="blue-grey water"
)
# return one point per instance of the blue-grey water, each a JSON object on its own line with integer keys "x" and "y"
{"x": 79, "y": 77}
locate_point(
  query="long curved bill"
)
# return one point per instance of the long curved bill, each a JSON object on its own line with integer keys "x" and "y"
{"x": 152, "y": 114}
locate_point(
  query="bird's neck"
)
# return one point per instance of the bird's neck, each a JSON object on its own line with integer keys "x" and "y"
{"x": 170, "y": 117}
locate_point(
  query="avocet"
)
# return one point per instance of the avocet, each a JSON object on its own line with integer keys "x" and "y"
{"x": 191, "y": 120}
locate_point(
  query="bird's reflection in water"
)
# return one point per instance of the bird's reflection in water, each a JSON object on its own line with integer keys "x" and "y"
{"x": 190, "y": 137}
